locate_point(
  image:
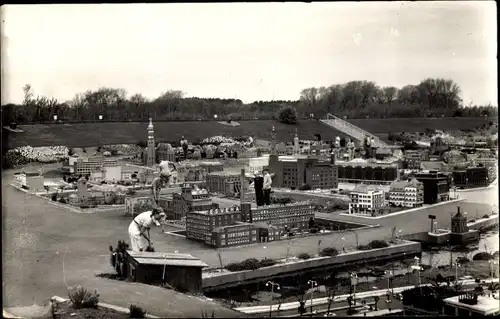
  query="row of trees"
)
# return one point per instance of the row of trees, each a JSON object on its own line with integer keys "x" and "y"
{"x": 431, "y": 97}
{"x": 355, "y": 99}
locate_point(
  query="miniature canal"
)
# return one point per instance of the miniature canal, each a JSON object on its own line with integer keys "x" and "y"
{"x": 373, "y": 273}
{"x": 370, "y": 274}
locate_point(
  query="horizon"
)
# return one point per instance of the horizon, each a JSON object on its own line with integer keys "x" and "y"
{"x": 247, "y": 51}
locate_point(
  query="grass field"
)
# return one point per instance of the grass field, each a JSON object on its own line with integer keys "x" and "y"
{"x": 420, "y": 124}
{"x": 91, "y": 134}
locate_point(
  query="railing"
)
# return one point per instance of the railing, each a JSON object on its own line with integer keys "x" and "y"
{"x": 353, "y": 129}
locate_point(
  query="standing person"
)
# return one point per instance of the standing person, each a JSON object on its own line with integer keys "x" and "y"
{"x": 138, "y": 230}
{"x": 268, "y": 181}
{"x": 258, "y": 183}
{"x": 184, "y": 145}
{"x": 161, "y": 181}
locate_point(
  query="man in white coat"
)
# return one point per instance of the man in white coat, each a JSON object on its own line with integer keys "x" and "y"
{"x": 138, "y": 230}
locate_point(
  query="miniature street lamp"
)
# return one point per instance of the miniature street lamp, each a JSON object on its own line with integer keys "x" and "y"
{"x": 100, "y": 117}
{"x": 55, "y": 117}
{"x": 354, "y": 282}
{"x": 215, "y": 116}
{"x": 343, "y": 246}
{"x": 492, "y": 268}
{"x": 389, "y": 274}
{"x": 365, "y": 308}
{"x": 388, "y": 300}
{"x": 272, "y": 285}
{"x": 457, "y": 264}
{"x": 418, "y": 268}
{"x": 313, "y": 284}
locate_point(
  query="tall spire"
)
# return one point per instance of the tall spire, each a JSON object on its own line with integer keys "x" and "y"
{"x": 296, "y": 147}
{"x": 273, "y": 141}
{"x": 151, "y": 151}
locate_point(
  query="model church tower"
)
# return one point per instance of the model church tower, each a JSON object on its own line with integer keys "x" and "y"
{"x": 296, "y": 146}
{"x": 150, "y": 152}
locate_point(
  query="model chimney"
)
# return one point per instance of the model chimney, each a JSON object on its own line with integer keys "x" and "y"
{"x": 458, "y": 209}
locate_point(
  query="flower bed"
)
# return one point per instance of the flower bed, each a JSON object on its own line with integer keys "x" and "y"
{"x": 65, "y": 310}
{"x": 26, "y": 154}
{"x": 122, "y": 149}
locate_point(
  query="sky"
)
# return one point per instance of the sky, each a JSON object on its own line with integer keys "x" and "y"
{"x": 260, "y": 51}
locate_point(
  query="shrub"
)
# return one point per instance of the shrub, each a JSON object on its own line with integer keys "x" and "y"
{"x": 304, "y": 256}
{"x": 313, "y": 230}
{"x": 247, "y": 264}
{"x": 266, "y": 262}
{"x": 462, "y": 260}
{"x": 251, "y": 264}
{"x": 281, "y": 200}
{"x": 305, "y": 187}
{"x": 136, "y": 312}
{"x": 328, "y": 251}
{"x": 486, "y": 216}
{"x": 363, "y": 247}
{"x": 142, "y": 144}
{"x": 82, "y": 298}
{"x": 288, "y": 115}
{"x": 62, "y": 200}
{"x": 54, "y": 197}
{"x": 482, "y": 256}
{"x": 374, "y": 244}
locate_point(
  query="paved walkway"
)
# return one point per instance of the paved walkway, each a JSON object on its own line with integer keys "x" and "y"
{"x": 47, "y": 249}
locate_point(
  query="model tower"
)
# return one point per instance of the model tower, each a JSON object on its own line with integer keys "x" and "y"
{"x": 150, "y": 152}
{"x": 296, "y": 147}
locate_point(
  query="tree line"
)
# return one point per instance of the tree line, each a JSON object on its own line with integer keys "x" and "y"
{"x": 354, "y": 99}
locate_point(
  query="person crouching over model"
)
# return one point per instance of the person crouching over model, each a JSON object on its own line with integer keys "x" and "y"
{"x": 161, "y": 181}
{"x": 138, "y": 229}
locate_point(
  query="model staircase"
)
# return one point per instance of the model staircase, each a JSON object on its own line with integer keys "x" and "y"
{"x": 351, "y": 130}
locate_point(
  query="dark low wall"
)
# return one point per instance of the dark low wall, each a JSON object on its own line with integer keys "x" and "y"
{"x": 234, "y": 279}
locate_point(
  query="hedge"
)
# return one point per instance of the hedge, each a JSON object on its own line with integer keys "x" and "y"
{"x": 251, "y": 264}
{"x": 328, "y": 252}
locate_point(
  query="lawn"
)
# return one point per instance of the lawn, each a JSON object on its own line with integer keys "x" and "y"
{"x": 91, "y": 134}
{"x": 419, "y": 124}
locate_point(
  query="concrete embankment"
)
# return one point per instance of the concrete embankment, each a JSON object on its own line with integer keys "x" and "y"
{"x": 233, "y": 279}
{"x": 442, "y": 237}
{"x": 484, "y": 223}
